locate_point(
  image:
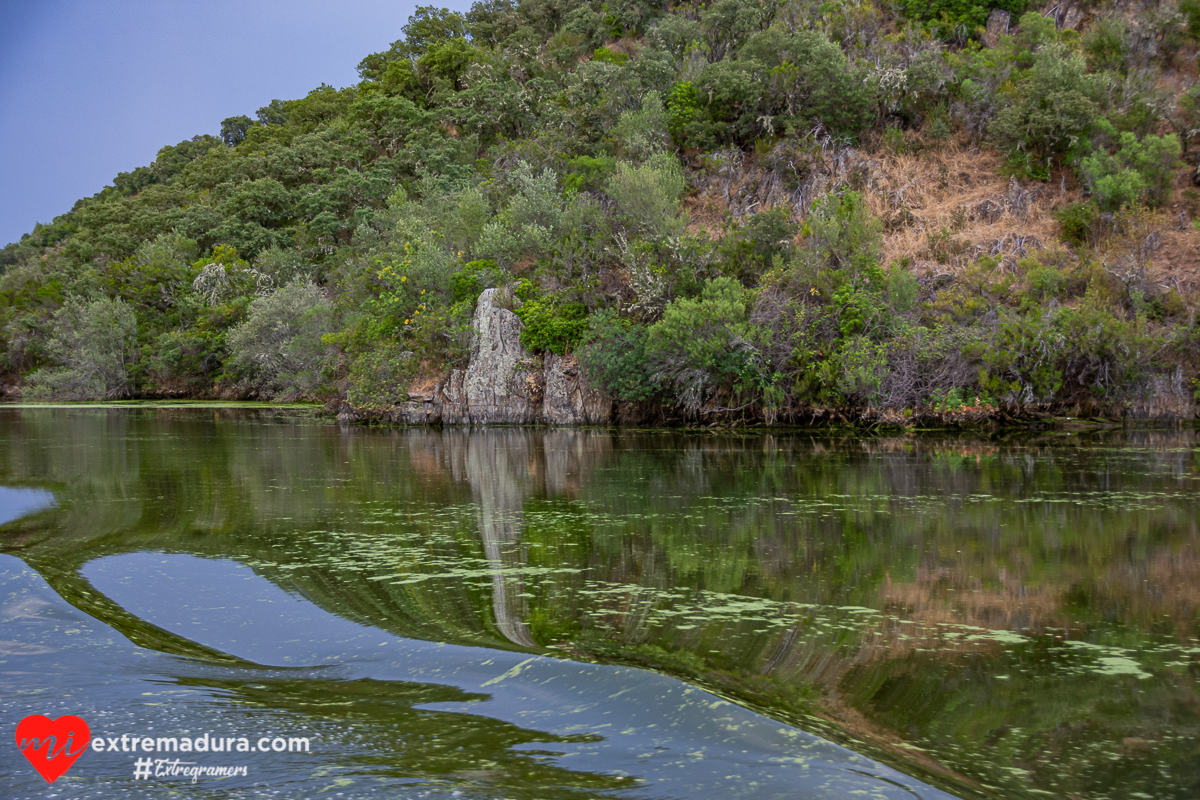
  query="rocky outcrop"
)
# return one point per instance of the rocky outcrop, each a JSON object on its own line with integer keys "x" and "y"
{"x": 450, "y": 398}
{"x": 997, "y": 24}
{"x": 504, "y": 384}
{"x": 568, "y": 398}
{"x": 501, "y": 383}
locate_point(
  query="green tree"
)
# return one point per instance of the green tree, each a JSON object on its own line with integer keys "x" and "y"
{"x": 703, "y": 346}
{"x": 279, "y": 346}
{"x": 647, "y": 196}
{"x": 95, "y": 345}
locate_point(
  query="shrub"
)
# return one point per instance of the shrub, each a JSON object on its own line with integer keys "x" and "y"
{"x": 533, "y": 221}
{"x": 1047, "y": 354}
{"x": 588, "y": 174}
{"x": 840, "y": 235}
{"x": 95, "y": 344}
{"x": 551, "y": 325}
{"x": 1044, "y": 282}
{"x": 958, "y": 18}
{"x": 808, "y": 80}
{"x": 858, "y": 367}
{"x": 643, "y": 133}
{"x": 379, "y": 378}
{"x": 185, "y": 360}
{"x": 475, "y": 276}
{"x": 704, "y": 345}
{"x": 1138, "y": 171}
{"x": 612, "y": 353}
{"x": 1076, "y": 220}
{"x": 764, "y": 239}
{"x": 279, "y": 345}
{"x": 1191, "y": 14}
{"x": 902, "y": 288}
{"x": 1051, "y": 112}
{"x": 683, "y": 108}
{"x": 648, "y": 195}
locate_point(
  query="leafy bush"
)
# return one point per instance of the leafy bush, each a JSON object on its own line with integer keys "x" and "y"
{"x": 1052, "y": 111}
{"x": 643, "y": 133}
{"x": 551, "y": 325}
{"x": 279, "y": 346}
{"x": 704, "y": 345}
{"x": 1044, "y": 282}
{"x": 902, "y": 288}
{"x": 612, "y": 353}
{"x": 648, "y": 195}
{"x": 588, "y": 174}
{"x": 966, "y": 15}
{"x": 475, "y": 276}
{"x": 1076, "y": 220}
{"x": 1138, "y": 171}
{"x": 532, "y": 222}
{"x": 840, "y": 235}
{"x": 95, "y": 344}
{"x": 185, "y": 360}
{"x": 762, "y": 239}
{"x": 1191, "y": 14}
{"x": 379, "y": 378}
{"x": 810, "y": 80}
{"x": 683, "y": 108}
{"x": 1044, "y": 354}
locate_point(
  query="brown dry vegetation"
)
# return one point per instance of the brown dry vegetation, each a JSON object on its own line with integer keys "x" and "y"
{"x": 943, "y": 208}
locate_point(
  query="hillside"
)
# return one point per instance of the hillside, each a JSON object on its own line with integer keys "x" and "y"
{"x": 759, "y": 210}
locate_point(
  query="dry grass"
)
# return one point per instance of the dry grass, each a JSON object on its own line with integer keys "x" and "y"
{"x": 944, "y": 209}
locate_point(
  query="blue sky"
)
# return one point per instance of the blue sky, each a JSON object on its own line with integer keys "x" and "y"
{"x": 90, "y": 89}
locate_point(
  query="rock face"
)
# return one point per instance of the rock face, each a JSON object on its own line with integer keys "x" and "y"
{"x": 451, "y": 400}
{"x": 501, "y": 384}
{"x": 568, "y": 398}
{"x": 504, "y": 384}
{"x": 997, "y": 24}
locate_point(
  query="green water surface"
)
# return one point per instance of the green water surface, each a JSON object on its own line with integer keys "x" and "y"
{"x": 1007, "y": 616}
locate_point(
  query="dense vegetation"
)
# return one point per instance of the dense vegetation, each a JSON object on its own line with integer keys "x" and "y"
{"x": 588, "y": 157}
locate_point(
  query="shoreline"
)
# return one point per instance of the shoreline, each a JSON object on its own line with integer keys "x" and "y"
{"x": 818, "y": 420}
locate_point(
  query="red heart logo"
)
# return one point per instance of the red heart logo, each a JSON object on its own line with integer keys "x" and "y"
{"x": 52, "y": 745}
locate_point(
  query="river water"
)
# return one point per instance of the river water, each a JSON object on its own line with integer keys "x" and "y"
{"x": 521, "y": 613}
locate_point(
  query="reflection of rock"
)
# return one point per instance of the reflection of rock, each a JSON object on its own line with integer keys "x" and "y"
{"x": 504, "y": 467}
{"x": 569, "y": 399}
{"x": 494, "y": 465}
